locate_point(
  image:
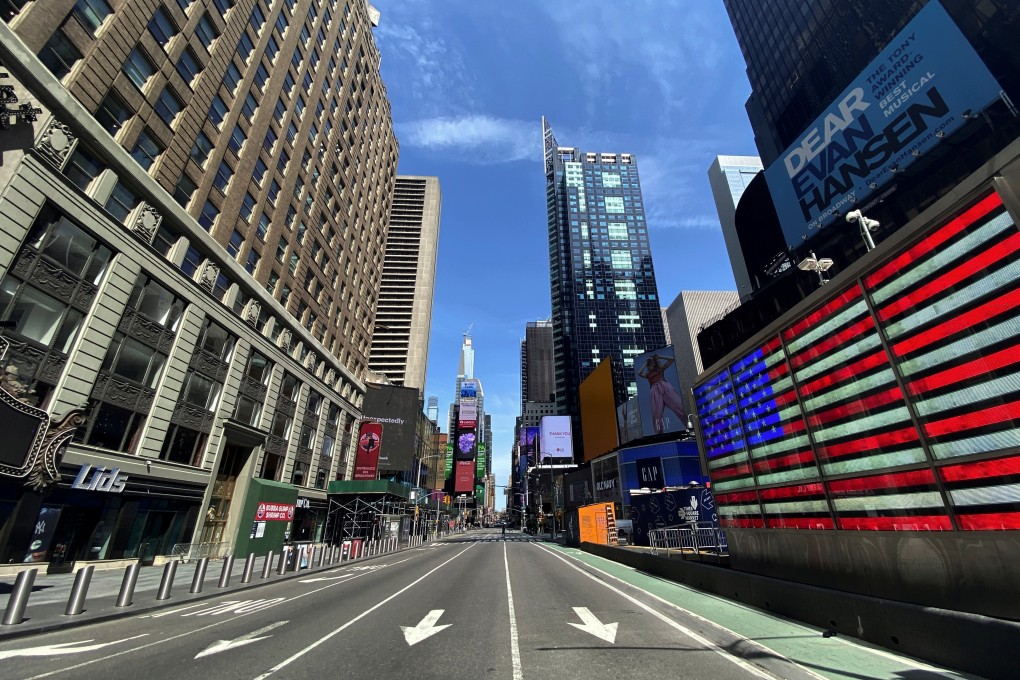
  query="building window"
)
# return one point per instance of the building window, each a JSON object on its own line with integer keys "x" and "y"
{"x": 263, "y": 227}
{"x": 285, "y": 295}
{"x": 223, "y": 6}
{"x": 272, "y": 49}
{"x": 281, "y": 250}
{"x": 138, "y": 68}
{"x": 288, "y": 83}
{"x": 147, "y": 149}
{"x": 245, "y": 47}
{"x": 121, "y": 202}
{"x": 261, "y": 76}
{"x": 200, "y": 391}
{"x": 112, "y": 113}
{"x": 162, "y": 27}
{"x": 91, "y": 13}
{"x": 169, "y": 105}
{"x": 132, "y": 360}
{"x": 269, "y": 141}
{"x": 201, "y": 150}
{"x": 188, "y": 67}
{"x": 257, "y": 19}
{"x": 82, "y": 168}
{"x": 274, "y": 279}
{"x": 247, "y": 207}
{"x": 217, "y": 111}
{"x": 253, "y": 261}
{"x": 59, "y": 55}
{"x": 249, "y": 107}
{"x": 223, "y": 175}
{"x": 237, "y": 140}
{"x": 206, "y": 31}
{"x": 184, "y": 190}
{"x": 274, "y": 191}
{"x": 184, "y": 445}
{"x": 156, "y": 303}
{"x": 112, "y": 427}
{"x": 208, "y": 217}
{"x": 236, "y": 241}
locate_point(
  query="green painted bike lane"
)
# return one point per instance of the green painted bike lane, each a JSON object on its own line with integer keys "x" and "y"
{"x": 836, "y": 657}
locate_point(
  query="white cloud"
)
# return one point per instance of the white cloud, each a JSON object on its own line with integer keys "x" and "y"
{"x": 477, "y": 139}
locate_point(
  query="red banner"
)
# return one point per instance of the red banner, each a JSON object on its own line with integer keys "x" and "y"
{"x": 464, "y": 482}
{"x": 369, "y": 444}
{"x": 269, "y": 512}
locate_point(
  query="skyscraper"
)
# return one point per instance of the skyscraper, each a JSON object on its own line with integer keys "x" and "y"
{"x": 433, "y": 409}
{"x": 538, "y": 378}
{"x": 400, "y": 341}
{"x": 602, "y": 283}
{"x": 195, "y": 204}
{"x": 729, "y": 176}
{"x": 684, "y": 318}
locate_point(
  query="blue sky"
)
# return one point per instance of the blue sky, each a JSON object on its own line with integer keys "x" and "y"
{"x": 469, "y": 81}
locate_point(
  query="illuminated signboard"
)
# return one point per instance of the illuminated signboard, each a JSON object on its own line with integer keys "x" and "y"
{"x": 800, "y": 431}
{"x": 908, "y": 99}
{"x": 556, "y": 440}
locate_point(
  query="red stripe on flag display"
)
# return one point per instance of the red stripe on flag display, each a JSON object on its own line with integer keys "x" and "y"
{"x": 904, "y": 523}
{"x": 878, "y": 441}
{"x": 841, "y": 338}
{"x": 960, "y": 322}
{"x": 785, "y": 398}
{"x": 988, "y": 416}
{"x": 937, "y": 238}
{"x": 859, "y": 406}
{"x": 738, "y": 497}
{"x": 787, "y": 461}
{"x": 993, "y": 521}
{"x": 823, "y": 312}
{"x": 968, "y": 268}
{"x": 769, "y": 346}
{"x": 815, "y": 489}
{"x": 801, "y": 523}
{"x": 742, "y": 522}
{"x": 844, "y": 373}
{"x": 739, "y": 470}
{"x": 897, "y": 480}
{"x": 980, "y": 470}
{"x": 979, "y": 366}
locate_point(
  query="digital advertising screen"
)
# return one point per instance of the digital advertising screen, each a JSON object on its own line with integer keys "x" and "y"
{"x": 598, "y": 412}
{"x": 658, "y": 392}
{"x": 466, "y": 444}
{"x": 556, "y": 440}
{"x": 366, "y": 461}
{"x": 464, "y": 482}
{"x": 397, "y": 409}
{"x": 911, "y": 97}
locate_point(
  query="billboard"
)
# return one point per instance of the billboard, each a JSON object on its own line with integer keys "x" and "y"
{"x": 467, "y": 415}
{"x": 628, "y": 420}
{"x": 598, "y": 412}
{"x": 480, "y": 461}
{"x": 449, "y": 459}
{"x": 605, "y": 472}
{"x": 398, "y": 409}
{"x": 465, "y": 479}
{"x": 529, "y": 439}
{"x": 670, "y": 508}
{"x": 914, "y": 94}
{"x": 556, "y": 440}
{"x": 468, "y": 390}
{"x": 366, "y": 462}
{"x": 658, "y": 387}
{"x": 466, "y": 443}
{"x": 649, "y": 473}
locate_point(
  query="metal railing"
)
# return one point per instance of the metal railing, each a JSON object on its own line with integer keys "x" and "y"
{"x": 196, "y": 551}
{"x": 688, "y": 538}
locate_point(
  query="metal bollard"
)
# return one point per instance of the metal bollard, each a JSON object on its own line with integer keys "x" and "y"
{"x": 199, "y": 578}
{"x": 80, "y": 589}
{"x": 249, "y": 567}
{"x": 228, "y": 565}
{"x": 19, "y": 597}
{"x": 320, "y": 555}
{"x": 127, "y": 586}
{"x": 282, "y": 567}
{"x": 166, "y": 583}
{"x": 267, "y": 566}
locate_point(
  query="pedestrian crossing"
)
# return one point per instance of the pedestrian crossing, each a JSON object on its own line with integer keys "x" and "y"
{"x": 498, "y": 538}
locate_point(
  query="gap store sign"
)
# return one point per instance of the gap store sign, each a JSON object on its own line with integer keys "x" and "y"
{"x": 908, "y": 99}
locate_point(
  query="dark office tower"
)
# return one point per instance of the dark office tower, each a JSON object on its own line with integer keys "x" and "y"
{"x": 604, "y": 298}
{"x": 400, "y": 343}
{"x": 538, "y": 376}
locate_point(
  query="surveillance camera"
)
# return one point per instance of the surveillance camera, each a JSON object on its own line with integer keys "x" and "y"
{"x": 869, "y": 223}
{"x": 873, "y": 185}
{"x": 853, "y": 216}
{"x": 940, "y": 134}
{"x": 915, "y": 153}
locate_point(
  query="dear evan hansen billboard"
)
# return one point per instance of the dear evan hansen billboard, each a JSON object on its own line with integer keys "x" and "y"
{"x": 917, "y": 87}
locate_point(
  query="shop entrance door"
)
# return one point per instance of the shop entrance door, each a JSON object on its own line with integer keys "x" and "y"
{"x": 155, "y": 536}
{"x": 218, "y": 514}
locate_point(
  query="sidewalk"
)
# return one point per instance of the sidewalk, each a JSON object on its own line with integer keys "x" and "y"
{"x": 50, "y": 592}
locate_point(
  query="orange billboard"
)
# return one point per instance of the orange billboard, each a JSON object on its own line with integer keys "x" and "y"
{"x": 598, "y": 412}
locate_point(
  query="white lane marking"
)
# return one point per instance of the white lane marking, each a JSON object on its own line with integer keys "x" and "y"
{"x": 247, "y": 639}
{"x": 192, "y": 632}
{"x": 326, "y": 578}
{"x": 168, "y": 612}
{"x": 294, "y": 657}
{"x": 515, "y": 645}
{"x": 591, "y": 624}
{"x": 62, "y": 648}
{"x": 750, "y": 668}
{"x": 426, "y": 628}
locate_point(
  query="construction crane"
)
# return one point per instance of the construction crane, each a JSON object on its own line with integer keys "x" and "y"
{"x": 468, "y": 331}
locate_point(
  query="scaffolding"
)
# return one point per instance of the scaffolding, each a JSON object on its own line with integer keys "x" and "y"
{"x": 357, "y": 516}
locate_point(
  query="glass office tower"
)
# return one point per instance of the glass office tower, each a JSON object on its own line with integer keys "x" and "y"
{"x": 604, "y": 299}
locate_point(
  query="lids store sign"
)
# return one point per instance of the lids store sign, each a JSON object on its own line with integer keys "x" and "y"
{"x": 110, "y": 481}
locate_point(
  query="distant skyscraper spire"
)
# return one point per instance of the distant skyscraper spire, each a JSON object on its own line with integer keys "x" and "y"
{"x": 466, "y": 369}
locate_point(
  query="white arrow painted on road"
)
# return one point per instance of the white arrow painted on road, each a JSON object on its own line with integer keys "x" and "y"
{"x": 224, "y": 645}
{"x": 325, "y": 578}
{"x": 63, "y": 648}
{"x": 603, "y": 631}
{"x": 426, "y": 627}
